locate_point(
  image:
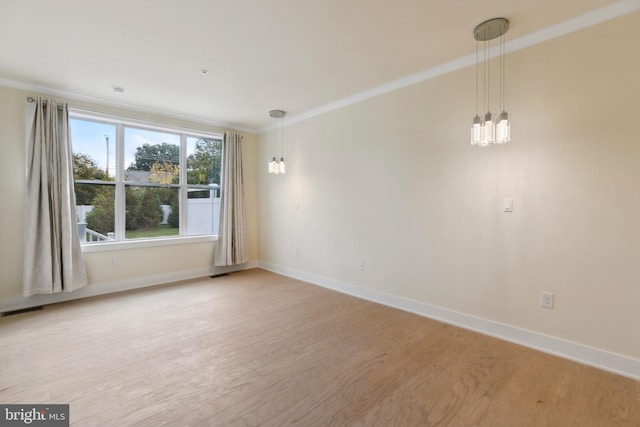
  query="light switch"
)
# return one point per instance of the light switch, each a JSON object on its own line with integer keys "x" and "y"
{"x": 507, "y": 205}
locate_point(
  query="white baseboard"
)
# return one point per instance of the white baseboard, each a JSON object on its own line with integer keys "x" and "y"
{"x": 601, "y": 359}
{"x": 95, "y": 289}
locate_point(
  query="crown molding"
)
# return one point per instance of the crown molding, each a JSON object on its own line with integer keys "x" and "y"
{"x": 615, "y": 10}
{"x": 72, "y": 96}
{"x": 569, "y": 26}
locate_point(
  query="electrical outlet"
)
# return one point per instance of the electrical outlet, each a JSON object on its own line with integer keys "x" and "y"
{"x": 546, "y": 300}
{"x": 361, "y": 265}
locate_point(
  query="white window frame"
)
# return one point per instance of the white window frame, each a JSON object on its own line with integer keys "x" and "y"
{"x": 120, "y": 194}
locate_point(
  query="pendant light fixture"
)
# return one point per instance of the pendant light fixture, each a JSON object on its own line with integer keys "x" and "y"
{"x": 490, "y": 129}
{"x": 276, "y": 166}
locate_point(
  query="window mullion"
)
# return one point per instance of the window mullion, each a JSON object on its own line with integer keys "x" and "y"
{"x": 120, "y": 189}
{"x": 183, "y": 185}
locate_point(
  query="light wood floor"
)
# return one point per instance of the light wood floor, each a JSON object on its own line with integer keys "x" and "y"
{"x": 257, "y": 349}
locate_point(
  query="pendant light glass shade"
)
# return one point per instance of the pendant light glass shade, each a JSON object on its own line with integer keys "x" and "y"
{"x": 492, "y": 129}
{"x": 276, "y": 137}
{"x": 503, "y": 129}
{"x": 273, "y": 165}
{"x": 476, "y": 130}
{"x": 488, "y": 130}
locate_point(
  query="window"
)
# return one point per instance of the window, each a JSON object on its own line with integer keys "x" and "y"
{"x": 140, "y": 181}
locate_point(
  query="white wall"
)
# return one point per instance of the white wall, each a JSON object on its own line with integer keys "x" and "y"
{"x": 393, "y": 181}
{"x": 133, "y": 267}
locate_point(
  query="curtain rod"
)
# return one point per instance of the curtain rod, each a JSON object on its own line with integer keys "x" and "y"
{"x": 32, "y": 99}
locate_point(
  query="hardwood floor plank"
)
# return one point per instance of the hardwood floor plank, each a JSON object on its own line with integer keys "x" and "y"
{"x": 257, "y": 349}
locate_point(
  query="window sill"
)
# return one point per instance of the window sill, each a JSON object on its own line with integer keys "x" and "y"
{"x": 145, "y": 243}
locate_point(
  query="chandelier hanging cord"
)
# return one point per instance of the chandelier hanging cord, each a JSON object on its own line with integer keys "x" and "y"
{"x": 502, "y": 71}
{"x": 477, "y": 74}
{"x": 281, "y": 134}
{"x": 487, "y": 73}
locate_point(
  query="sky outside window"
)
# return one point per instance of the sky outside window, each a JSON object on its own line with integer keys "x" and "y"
{"x": 92, "y": 139}
{"x": 96, "y": 139}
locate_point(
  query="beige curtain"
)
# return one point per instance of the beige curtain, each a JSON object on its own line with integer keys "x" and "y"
{"x": 233, "y": 240}
{"x": 52, "y": 258}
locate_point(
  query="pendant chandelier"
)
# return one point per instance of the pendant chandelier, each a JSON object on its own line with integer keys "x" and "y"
{"x": 490, "y": 128}
{"x": 276, "y": 144}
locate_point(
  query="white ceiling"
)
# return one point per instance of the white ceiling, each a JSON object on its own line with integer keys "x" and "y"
{"x": 295, "y": 55}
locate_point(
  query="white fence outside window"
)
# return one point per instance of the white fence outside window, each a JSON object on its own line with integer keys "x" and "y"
{"x": 203, "y": 217}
